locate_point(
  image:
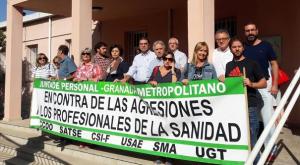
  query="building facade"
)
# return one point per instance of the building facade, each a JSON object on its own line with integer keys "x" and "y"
{"x": 83, "y": 23}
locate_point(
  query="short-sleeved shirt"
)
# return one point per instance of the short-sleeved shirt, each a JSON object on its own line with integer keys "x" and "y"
{"x": 253, "y": 72}
{"x": 67, "y": 67}
{"x": 262, "y": 53}
{"x": 43, "y": 72}
{"x": 89, "y": 71}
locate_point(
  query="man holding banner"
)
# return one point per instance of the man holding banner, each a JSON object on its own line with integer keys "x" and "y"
{"x": 254, "y": 79}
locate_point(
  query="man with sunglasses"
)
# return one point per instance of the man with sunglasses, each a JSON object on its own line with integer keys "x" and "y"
{"x": 67, "y": 65}
{"x": 139, "y": 68}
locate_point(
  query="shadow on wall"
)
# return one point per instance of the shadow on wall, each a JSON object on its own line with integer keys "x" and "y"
{"x": 2, "y": 84}
{"x": 26, "y": 88}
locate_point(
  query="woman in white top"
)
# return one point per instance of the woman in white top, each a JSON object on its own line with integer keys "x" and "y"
{"x": 43, "y": 69}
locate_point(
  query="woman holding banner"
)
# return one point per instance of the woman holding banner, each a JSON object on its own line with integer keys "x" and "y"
{"x": 43, "y": 69}
{"x": 165, "y": 73}
{"x": 118, "y": 66}
{"x": 199, "y": 68}
{"x": 87, "y": 70}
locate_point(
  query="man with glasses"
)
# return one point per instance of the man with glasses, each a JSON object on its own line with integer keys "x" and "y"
{"x": 139, "y": 68}
{"x": 221, "y": 55}
{"x": 263, "y": 53}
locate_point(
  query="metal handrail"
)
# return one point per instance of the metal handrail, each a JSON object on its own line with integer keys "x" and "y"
{"x": 272, "y": 121}
{"x": 288, "y": 110}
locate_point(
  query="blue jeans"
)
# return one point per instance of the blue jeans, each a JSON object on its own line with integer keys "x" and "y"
{"x": 254, "y": 126}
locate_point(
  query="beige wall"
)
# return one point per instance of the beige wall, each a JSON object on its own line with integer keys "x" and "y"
{"x": 37, "y": 33}
{"x": 156, "y": 25}
{"x": 276, "y": 19}
{"x": 273, "y": 18}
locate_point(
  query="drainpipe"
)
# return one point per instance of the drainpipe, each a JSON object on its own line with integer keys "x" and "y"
{"x": 49, "y": 38}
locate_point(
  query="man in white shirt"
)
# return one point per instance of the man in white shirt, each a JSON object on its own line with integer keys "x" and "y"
{"x": 180, "y": 57}
{"x": 159, "y": 49}
{"x": 221, "y": 55}
{"x": 139, "y": 68}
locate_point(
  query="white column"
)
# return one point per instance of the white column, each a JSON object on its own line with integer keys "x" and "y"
{"x": 81, "y": 27}
{"x": 13, "y": 76}
{"x": 201, "y": 24}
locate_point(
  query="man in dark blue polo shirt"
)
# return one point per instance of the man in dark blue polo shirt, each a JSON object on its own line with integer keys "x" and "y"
{"x": 263, "y": 53}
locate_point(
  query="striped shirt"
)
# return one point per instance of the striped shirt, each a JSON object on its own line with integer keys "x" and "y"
{"x": 43, "y": 72}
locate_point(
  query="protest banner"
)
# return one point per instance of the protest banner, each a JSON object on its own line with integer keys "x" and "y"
{"x": 205, "y": 121}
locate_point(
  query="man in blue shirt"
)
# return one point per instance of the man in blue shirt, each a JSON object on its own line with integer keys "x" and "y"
{"x": 263, "y": 53}
{"x": 67, "y": 65}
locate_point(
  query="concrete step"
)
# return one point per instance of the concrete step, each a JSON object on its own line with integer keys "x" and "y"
{"x": 30, "y": 153}
{"x": 20, "y": 126}
{"x": 15, "y": 140}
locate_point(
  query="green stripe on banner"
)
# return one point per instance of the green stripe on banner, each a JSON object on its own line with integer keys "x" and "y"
{"x": 188, "y": 158}
{"x": 35, "y": 126}
{"x": 35, "y": 117}
{"x": 172, "y": 90}
{"x": 202, "y": 144}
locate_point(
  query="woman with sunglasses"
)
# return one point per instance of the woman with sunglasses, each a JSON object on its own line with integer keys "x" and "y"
{"x": 165, "y": 73}
{"x": 118, "y": 66}
{"x": 88, "y": 71}
{"x": 43, "y": 69}
{"x": 199, "y": 68}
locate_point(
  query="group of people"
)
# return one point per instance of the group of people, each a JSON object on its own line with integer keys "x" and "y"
{"x": 254, "y": 59}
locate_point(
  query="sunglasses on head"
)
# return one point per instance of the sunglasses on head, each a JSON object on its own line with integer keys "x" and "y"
{"x": 169, "y": 59}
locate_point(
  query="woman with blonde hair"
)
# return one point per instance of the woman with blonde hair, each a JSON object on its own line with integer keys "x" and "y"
{"x": 88, "y": 71}
{"x": 199, "y": 68}
{"x": 43, "y": 69}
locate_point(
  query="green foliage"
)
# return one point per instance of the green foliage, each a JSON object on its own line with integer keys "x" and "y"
{"x": 2, "y": 41}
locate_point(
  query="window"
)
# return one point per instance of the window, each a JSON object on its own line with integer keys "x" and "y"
{"x": 32, "y": 51}
{"x": 132, "y": 44}
{"x": 29, "y": 61}
{"x": 228, "y": 23}
{"x": 69, "y": 44}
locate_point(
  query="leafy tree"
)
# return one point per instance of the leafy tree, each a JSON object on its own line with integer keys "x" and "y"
{"x": 2, "y": 41}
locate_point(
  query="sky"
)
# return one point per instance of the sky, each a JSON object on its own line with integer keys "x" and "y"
{"x": 2, "y": 10}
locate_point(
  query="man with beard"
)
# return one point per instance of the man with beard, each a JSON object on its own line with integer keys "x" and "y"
{"x": 100, "y": 57}
{"x": 263, "y": 53}
{"x": 254, "y": 79}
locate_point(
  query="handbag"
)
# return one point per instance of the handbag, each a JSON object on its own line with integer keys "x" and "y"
{"x": 282, "y": 77}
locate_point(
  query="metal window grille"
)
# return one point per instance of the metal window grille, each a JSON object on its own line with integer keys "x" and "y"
{"x": 228, "y": 23}
{"x": 132, "y": 44}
